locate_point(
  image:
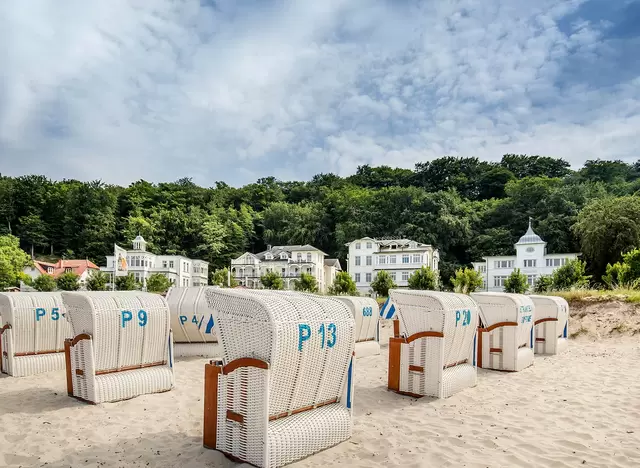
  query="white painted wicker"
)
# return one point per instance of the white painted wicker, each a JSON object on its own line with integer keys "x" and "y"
{"x": 505, "y": 339}
{"x": 122, "y": 345}
{"x": 551, "y": 324}
{"x": 193, "y": 322}
{"x": 365, "y": 312}
{"x": 435, "y": 353}
{"x": 33, "y": 331}
{"x": 285, "y": 388}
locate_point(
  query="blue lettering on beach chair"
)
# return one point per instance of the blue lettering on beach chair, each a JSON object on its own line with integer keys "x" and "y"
{"x": 40, "y": 312}
{"x": 126, "y": 317}
{"x": 183, "y": 319}
{"x": 210, "y": 324}
{"x": 304, "y": 333}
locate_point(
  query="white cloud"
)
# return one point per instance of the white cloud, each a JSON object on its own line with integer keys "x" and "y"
{"x": 165, "y": 89}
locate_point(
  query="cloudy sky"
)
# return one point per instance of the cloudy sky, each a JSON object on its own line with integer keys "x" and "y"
{"x": 235, "y": 90}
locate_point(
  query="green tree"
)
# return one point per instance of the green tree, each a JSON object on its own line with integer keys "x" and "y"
{"x": 272, "y": 280}
{"x": 543, "y": 284}
{"x": 424, "y": 278}
{"x": 343, "y": 285}
{"x": 13, "y": 260}
{"x": 97, "y": 281}
{"x": 382, "y": 283}
{"x": 630, "y": 274}
{"x": 607, "y": 228}
{"x": 570, "y": 276}
{"x": 68, "y": 282}
{"x": 466, "y": 280}
{"x": 32, "y": 231}
{"x": 44, "y": 283}
{"x": 220, "y": 278}
{"x": 306, "y": 283}
{"x": 516, "y": 282}
{"x": 158, "y": 283}
{"x": 126, "y": 283}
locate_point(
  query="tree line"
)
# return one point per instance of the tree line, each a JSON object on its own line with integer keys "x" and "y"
{"x": 464, "y": 207}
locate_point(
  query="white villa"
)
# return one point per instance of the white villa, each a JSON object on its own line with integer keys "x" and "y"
{"x": 181, "y": 271}
{"x": 289, "y": 261}
{"x": 399, "y": 257}
{"x": 531, "y": 258}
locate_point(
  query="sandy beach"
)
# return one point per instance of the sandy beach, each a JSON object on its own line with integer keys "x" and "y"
{"x": 581, "y": 408}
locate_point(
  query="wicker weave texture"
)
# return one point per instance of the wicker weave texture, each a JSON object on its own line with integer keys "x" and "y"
{"x": 443, "y": 365}
{"x": 287, "y": 411}
{"x": 192, "y": 321}
{"x": 507, "y": 348}
{"x": 551, "y": 336}
{"x": 129, "y": 345}
{"x": 38, "y": 325}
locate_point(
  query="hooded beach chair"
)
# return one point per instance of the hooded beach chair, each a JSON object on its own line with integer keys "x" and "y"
{"x": 33, "y": 328}
{"x": 192, "y": 323}
{"x": 505, "y": 336}
{"x": 284, "y": 388}
{"x": 365, "y": 312}
{"x": 433, "y": 352}
{"x": 551, "y": 324}
{"x": 122, "y": 345}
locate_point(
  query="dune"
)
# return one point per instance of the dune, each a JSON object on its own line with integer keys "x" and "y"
{"x": 580, "y": 408}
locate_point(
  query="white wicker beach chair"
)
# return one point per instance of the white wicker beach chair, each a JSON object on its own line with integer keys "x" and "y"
{"x": 434, "y": 350}
{"x": 122, "y": 345}
{"x": 505, "y": 336}
{"x": 365, "y": 312}
{"x": 551, "y": 324}
{"x": 192, "y": 323}
{"x": 33, "y": 328}
{"x": 284, "y": 389}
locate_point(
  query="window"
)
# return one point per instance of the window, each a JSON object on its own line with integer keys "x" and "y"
{"x": 392, "y": 259}
{"x": 68, "y": 270}
{"x": 417, "y": 258}
{"x": 357, "y": 260}
{"x": 164, "y": 264}
{"x": 482, "y": 268}
{"x": 308, "y": 257}
{"x": 554, "y": 262}
{"x": 171, "y": 264}
{"x": 268, "y": 256}
{"x": 299, "y": 257}
{"x": 369, "y": 245}
{"x": 382, "y": 259}
{"x": 531, "y": 280}
{"x": 368, "y": 277}
{"x": 283, "y": 271}
{"x": 357, "y": 277}
{"x": 405, "y": 258}
{"x": 392, "y": 274}
{"x": 529, "y": 263}
{"x": 358, "y": 245}
{"x": 498, "y": 264}
{"x": 405, "y": 276}
{"x": 498, "y": 281}
{"x": 283, "y": 256}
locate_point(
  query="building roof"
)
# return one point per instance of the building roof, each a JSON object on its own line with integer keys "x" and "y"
{"x": 276, "y": 250}
{"x": 530, "y": 237}
{"x": 77, "y": 266}
{"x": 139, "y": 238}
{"x": 387, "y": 241}
{"x": 333, "y": 262}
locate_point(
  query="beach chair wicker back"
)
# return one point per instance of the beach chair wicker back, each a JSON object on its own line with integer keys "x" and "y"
{"x": 366, "y": 315}
{"x": 285, "y": 384}
{"x": 192, "y": 321}
{"x": 507, "y": 330}
{"x": 434, "y": 354}
{"x": 551, "y": 324}
{"x": 128, "y": 328}
{"x": 33, "y": 332}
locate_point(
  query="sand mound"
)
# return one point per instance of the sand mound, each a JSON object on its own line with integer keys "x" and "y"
{"x": 596, "y": 320}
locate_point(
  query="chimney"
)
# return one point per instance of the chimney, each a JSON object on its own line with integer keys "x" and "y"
{"x": 268, "y": 246}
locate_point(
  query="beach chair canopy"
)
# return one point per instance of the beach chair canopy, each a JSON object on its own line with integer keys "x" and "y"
{"x": 127, "y": 328}
{"x": 307, "y": 340}
{"x": 192, "y": 321}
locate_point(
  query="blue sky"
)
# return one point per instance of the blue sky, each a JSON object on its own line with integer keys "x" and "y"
{"x": 236, "y": 90}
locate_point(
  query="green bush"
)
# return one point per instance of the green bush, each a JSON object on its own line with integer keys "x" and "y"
{"x": 570, "y": 276}
{"x": 97, "y": 281}
{"x": 68, "y": 282}
{"x": 44, "y": 283}
{"x": 272, "y": 280}
{"x": 382, "y": 283}
{"x": 158, "y": 283}
{"x": 424, "y": 278}
{"x": 466, "y": 280}
{"x": 126, "y": 283}
{"x": 543, "y": 284}
{"x": 516, "y": 282}
{"x": 306, "y": 283}
{"x": 343, "y": 284}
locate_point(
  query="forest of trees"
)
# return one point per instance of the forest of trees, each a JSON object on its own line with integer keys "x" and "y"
{"x": 465, "y": 207}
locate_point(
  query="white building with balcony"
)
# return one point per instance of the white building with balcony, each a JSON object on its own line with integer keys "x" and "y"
{"x": 399, "y": 257}
{"x": 289, "y": 261}
{"x": 181, "y": 271}
{"x": 531, "y": 258}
